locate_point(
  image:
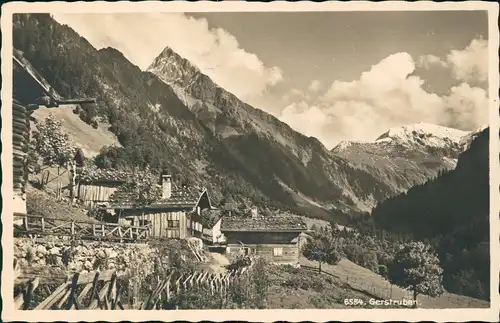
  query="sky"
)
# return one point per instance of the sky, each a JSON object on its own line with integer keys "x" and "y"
{"x": 332, "y": 75}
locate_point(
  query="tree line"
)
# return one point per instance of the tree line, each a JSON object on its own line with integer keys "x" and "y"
{"x": 450, "y": 213}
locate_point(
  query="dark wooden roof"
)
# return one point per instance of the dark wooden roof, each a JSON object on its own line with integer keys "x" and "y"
{"x": 182, "y": 198}
{"x": 275, "y": 223}
{"x": 99, "y": 176}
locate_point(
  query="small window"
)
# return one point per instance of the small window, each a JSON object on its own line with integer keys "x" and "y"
{"x": 278, "y": 252}
{"x": 173, "y": 223}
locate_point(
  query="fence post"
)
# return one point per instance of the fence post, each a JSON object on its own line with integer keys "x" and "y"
{"x": 25, "y": 220}
{"x": 168, "y": 290}
{"x": 33, "y": 284}
{"x": 72, "y": 228}
{"x": 72, "y": 295}
{"x": 93, "y": 294}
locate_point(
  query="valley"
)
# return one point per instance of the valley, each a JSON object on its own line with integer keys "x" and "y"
{"x": 166, "y": 157}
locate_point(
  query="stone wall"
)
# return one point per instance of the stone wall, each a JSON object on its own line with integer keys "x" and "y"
{"x": 85, "y": 256}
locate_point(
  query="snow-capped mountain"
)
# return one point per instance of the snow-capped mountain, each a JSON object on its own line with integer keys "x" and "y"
{"x": 407, "y": 155}
{"x": 397, "y": 160}
{"x": 425, "y": 134}
{"x": 305, "y": 171}
{"x": 176, "y": 117}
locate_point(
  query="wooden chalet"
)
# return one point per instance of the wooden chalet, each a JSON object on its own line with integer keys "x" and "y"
{"x": 30, "y": 90}
{"x": 276, "y": 238}
{"x": 97, "y": 191}
{"x": 177, "y": 214}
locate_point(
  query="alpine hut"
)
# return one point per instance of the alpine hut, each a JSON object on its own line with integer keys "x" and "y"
{"x": 275, "y": 237}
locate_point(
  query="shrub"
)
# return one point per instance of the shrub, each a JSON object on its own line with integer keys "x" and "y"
{"x": 305, "y": 282}
{"x": 239, "y": 261}
{"x": 195, "y": 298}
{"x": 51, "y": 260}
{"x": 382, "y": 270}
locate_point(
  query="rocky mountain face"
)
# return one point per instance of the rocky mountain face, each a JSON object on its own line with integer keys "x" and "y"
{"x": 174, "y": 117}
{"x": 304, "y": 169}
{"x": 397, "y": 160}
{"x": 409, "y": 155}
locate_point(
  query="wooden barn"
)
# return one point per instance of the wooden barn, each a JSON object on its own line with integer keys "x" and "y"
{"x": 276, "y": 238}
{"x": 30, "y": 90}
{"x": 97, "y": 191}
{"x": 177, "y": 214}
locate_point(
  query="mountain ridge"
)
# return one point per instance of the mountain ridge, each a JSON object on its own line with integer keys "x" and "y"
{"x": 407, "y": 155}
{"x": 213, "y": 104}
{"x": 175, "y": 117}
{"x": 435, "y": 148}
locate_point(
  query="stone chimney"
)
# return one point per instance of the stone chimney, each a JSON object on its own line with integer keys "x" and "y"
{"x": 166, "y": 185}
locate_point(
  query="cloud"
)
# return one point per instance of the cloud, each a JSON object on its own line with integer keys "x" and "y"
{"x": 315, "y": 86}
{"x": 388, "y": 95}
{"x": 217, "y": 53}
{"x": 471, "y": 63}
{"x": 295, "y": 95}
{"x": 428, "y": 61}
{"x": 309, "y": 120}
{"x": 466, "y": 107}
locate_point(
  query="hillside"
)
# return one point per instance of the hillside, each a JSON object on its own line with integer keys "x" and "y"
{"x": 454, "y": 199}
{"x": 231, "y": 120}
{"x": 367, "y": 284}
{"x": 407, "y": 156}
{"x": 90, "y": 139}
{"x": 173, "y": 117}
{"x": 451, "y": 211}
{"x": 293, "y": 165}
{"x": 266, "y": 163}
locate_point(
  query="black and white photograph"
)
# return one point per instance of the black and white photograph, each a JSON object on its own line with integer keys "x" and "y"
{"x": 164, "y": 159}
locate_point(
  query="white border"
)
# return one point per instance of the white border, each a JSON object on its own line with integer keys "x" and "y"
{"x": 410, "y": 315}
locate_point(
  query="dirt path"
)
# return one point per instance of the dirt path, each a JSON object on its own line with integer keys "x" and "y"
{"x": 218, "y": 262}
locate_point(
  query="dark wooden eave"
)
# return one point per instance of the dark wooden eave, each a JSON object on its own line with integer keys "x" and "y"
{"x": 264, "y": 230}
{"x": 32, "y": 90}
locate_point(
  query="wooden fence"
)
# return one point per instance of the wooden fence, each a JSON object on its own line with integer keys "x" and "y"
{"x": 99, "y": 290}
{"x": 66, "y": 296}
{"x": 85, "y": 230}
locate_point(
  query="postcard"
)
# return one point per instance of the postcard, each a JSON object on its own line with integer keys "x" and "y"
{"x": 261, "y": 162}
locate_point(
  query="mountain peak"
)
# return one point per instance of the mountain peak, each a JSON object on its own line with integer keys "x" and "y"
{"x": 172, "y": 67}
